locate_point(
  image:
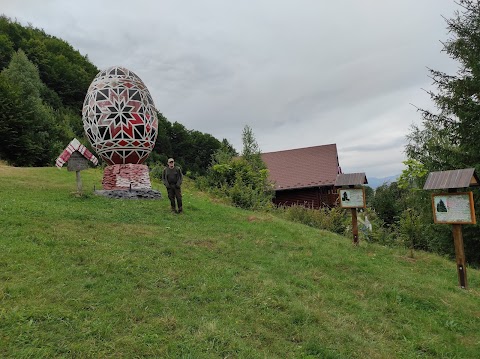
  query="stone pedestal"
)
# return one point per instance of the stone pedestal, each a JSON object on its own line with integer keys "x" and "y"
{"x": 126, "y": 176}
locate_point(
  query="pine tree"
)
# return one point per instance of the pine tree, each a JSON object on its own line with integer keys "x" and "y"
{"x": 441, "y": 206}
{"x": 449, "y": 137}
{"x": 251, "y": 151}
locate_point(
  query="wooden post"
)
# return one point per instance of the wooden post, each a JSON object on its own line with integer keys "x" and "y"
{"x": 460, "y": 255}
{"x": 354, "y": 226}
{"x": 79, "y": 182}
{"x": 459, "y": 250}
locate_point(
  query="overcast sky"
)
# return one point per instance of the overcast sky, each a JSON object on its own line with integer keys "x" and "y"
{"x": 299, "y": 73}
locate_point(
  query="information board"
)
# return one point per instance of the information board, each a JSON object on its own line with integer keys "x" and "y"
{"x": 77, "y": 162}
{"x": 453, "y": 208}
{"x": 352, "y": 197}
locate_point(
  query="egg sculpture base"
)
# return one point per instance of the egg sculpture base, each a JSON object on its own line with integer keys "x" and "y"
{"x": 126, "y": 176}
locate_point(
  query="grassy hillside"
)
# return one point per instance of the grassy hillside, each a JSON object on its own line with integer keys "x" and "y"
{"x": 95, "y": 277}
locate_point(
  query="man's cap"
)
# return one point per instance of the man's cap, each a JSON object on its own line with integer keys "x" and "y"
{"x": 170, "y": 160}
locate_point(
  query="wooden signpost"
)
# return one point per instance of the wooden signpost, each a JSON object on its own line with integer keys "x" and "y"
{"x": 352, "y": 196}
{"x": 77, "y": 156}
{"x": 454, "y": 208}
{"x": 76, "y": 163}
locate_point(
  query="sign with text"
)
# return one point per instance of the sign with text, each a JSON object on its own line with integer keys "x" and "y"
{"x": 77, "y": 162}
{"x": 352, "y": 197}
{"x": 453, "y": 208}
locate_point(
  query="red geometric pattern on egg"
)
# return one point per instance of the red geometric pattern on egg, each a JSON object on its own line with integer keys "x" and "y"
{"x": 119, "y": 117}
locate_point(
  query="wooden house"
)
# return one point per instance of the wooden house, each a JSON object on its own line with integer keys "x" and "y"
{"x": 304, "y": 176}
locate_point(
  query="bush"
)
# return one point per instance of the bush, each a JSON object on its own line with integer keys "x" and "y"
{"x": 385, "y": 235}
{"x": 381, "y": 232}
{"x": 240, "y": 183}
{"x": 333, "y": 220}
{"x": 156, "y": 171}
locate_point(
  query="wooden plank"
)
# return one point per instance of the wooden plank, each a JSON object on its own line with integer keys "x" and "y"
{"x": 354, "y": 226}
{"x": 460, "y": 255}
{"x": 79, "y": 182}
{"x": 351, "y": 179}
{"x": 452, "y": 179}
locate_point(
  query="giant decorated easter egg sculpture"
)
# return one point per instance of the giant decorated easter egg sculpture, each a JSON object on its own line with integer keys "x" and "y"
{"x": 120, "y": 121}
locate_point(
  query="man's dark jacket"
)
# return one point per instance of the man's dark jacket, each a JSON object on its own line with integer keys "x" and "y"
{"x": 172, "y": 177}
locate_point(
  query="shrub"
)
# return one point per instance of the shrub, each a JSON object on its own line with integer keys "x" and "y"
{"x": 334, "y": 220}
{"x": 156, "y": 171}
{"x": 239, "y": 181}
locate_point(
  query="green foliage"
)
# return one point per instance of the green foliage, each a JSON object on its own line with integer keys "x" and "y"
{"x": 413, "y": 176}
{"x": 251, "y": 151}
{"x": 448, "y": 137}
{"x": 41, "y": 100}
{"x": 384, "y": 235}
{"x": 416, "y": 218}
{"x": 241, "y": 183}
{"x": 331, "y": 219}
{"x": 410, "y": 228}
{"x": 405, "y": 218}
{"x": 224, "y": 154}
{"x": 244, "y": 181}
{"x": 6, "y": 50}
{"x": 369, "y": 195}
{"x": 388, "y": 202}
{"x": 65, "y": 72}
{"x": 156, "y": 171}
{"x": 191, "y": 149}
{"x": 29, "y": 131}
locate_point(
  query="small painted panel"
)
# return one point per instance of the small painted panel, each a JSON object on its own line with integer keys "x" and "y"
{"x": 352, "y": 197}
{"x": 453, "y": 208}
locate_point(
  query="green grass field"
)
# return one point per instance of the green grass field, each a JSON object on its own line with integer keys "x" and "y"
{"x": 92, "y": 277}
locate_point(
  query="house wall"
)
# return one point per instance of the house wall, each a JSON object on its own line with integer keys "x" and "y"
{"x": 313, "y": 197}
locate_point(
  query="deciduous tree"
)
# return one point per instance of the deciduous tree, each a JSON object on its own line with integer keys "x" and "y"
{"x": 28, "y": 133}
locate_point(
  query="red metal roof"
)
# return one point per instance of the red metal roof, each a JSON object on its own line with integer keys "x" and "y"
{"x": 303, "y": 167}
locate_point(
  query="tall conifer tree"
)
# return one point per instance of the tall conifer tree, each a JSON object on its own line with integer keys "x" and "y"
{"x": 450, "y": 136}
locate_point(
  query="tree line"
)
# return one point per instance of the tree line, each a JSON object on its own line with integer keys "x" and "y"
{"x": 43, "y": 83}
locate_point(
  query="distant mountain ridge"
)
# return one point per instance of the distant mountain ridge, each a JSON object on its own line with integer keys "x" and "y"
{"x": 375, "y": 182}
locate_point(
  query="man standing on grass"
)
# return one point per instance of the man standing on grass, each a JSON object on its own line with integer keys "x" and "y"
{"x": 172, "y": 179}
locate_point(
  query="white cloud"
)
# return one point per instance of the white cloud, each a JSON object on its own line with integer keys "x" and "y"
{"x": 300, "y": 73}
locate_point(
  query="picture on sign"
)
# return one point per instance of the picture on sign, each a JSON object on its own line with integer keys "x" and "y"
{"x": 453, "y": 208}
{"x": 352, "y": 197}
